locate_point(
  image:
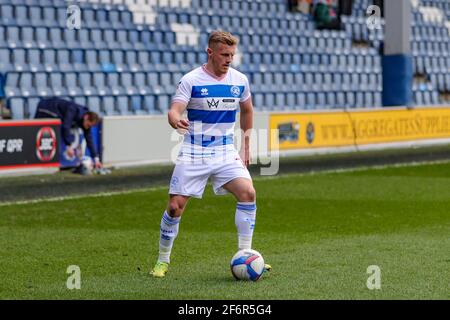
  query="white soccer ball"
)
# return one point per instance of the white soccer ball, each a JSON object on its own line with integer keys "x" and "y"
{"x": 247, "y": 264}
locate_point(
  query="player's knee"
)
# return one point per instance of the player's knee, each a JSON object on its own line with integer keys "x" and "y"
{"x": 248, "y": 195}
{"x": 174, "y": 209}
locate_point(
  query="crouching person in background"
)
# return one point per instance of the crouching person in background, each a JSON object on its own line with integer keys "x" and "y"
{"x": 72, "y": 115}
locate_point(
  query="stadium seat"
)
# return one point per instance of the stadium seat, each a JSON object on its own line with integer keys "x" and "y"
{"x": 12, "y": 86}
{"x": 71, "y": 84}
{"x": 56, "y": 84}
{"x": 34, "y": 60}
{"x": 162, "y": 103}
{"x": 5, "y": 60}
{"x": 41, "y": 84}
{"x": 149, "y": 104}
{"x": 136, "y": 105}
{"x": 31, "y": 106}
{"x": 122, "y": 105}
{"x": 17, "y": 107}
{"x": 63, "y": 60}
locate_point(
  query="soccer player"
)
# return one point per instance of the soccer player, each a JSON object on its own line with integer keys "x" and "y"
{"x": 212, "y": 95}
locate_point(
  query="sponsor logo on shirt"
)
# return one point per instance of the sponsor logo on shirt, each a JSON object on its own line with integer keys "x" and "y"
{"x": 213, "y": 104}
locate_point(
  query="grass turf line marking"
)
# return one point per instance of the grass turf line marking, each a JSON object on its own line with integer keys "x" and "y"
{"x": 286, "y": 175}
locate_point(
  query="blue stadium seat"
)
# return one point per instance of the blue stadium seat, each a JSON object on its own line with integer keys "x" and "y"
{"x": 435, "y": 97}
{"x": 258, "y": 100}
{"x": 360, "y": 103}
{"x": 418, "y": 98}
{"x": 36, "y": 15}
{"x": 368, "y": 99}
{"x": 85, "y": 81}
{"x": 92, "y": 60}
{"x": 109, "y": 36}
{"x": 122, "y": 105}
{"x": 83, "y": 39}
{"x": 41, "y": 84}
{"x": 94, "y": 103}
{"x": 269, "y": 101}
{"x": 34, "y": 60}
{"x": 32, "y": 104}
{"x": 12, "y": 87}
{"x": 42, "y": 38}
{"x": 7, "y": 14}
{"x": 48, "y": 16}
{"x": 166, "y": 82}
{"x": 63, "y": 60}
{"x": 378, "y": 99}
{"x": 149, "y": 104}
{"x": 163, "y": 103}
{"x": 19, "y": 59}
{"x": 144, "y": 60}
{"x": 114, "y": 84}
{"x": 71, "y": 84}
{"x": 56, "y": 84}
{"x": 118, "y": 59}
{"x": 82, "y": 100}
{"x": 61, "y": 16}
{"x": 153, "y": 82}
{"x": 139, "y": 82}
{"x": 21, "y": 13}
{"x": 350, "y": 99}
{"x": 280, "y": 100}
{"x": 13, "y": 37}
{"x": 108, "y": 105}
{"x": 126, "y": 18}
{"x": 5, "y": 60}
{"x": 122, "y": 38}
{"x": 321, "y": 101}
{"x": 290, "y": 100}
{"x": 17, "y": 107}
{"x": 136, "y": 105}
{"x": 27, "y": 37}
{"x": 126, "y": 81}
{"x": 56, "y": 37}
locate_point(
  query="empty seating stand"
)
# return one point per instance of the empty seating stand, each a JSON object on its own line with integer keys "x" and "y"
{"x": 128, "y": 55}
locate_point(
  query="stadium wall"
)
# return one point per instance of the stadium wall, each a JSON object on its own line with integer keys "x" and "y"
{"x": 141, "y": 140}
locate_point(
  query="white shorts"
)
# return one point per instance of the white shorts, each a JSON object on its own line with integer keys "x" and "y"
{"x": 191, "y": 179}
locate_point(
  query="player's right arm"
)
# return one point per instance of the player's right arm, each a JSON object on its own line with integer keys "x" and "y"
{"x": 175, "y": 115}
{"x": 179, "y": 104}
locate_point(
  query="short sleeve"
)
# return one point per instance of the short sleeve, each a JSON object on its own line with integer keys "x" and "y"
{"x": 183, "y": 92}
{"x": 246, "y": 94}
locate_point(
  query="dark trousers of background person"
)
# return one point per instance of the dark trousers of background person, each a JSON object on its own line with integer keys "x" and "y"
{"x": 292, "y": 5}
{"x": 345, "y": 7}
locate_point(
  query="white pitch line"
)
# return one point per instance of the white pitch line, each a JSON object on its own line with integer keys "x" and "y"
{"x": 287, "y": 175}
{"x": 80, "y": 196}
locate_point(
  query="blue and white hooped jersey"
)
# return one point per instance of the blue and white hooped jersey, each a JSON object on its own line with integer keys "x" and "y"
{"x": 212, "y": 105}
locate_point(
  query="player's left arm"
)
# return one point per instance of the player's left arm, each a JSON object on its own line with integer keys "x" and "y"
{"x": 246, "y": 122}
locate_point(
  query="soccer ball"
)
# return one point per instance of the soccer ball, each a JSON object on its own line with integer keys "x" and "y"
{"x": 247, "y": 264}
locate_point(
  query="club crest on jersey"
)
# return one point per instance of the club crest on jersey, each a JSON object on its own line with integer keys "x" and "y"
{"x": 204, "y": 92}
{"x": 213, "y": 104}
{"x": 235, "y": 91}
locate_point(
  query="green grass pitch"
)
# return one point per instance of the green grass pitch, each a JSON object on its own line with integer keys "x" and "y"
{"x": 320, "y": 232}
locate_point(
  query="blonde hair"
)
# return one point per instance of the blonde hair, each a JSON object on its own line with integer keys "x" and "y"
{"x": 220, "y": 36}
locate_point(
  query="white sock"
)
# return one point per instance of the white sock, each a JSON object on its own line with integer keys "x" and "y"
{"x": 168, "y": 233}
{"x": 245, "y": 222}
